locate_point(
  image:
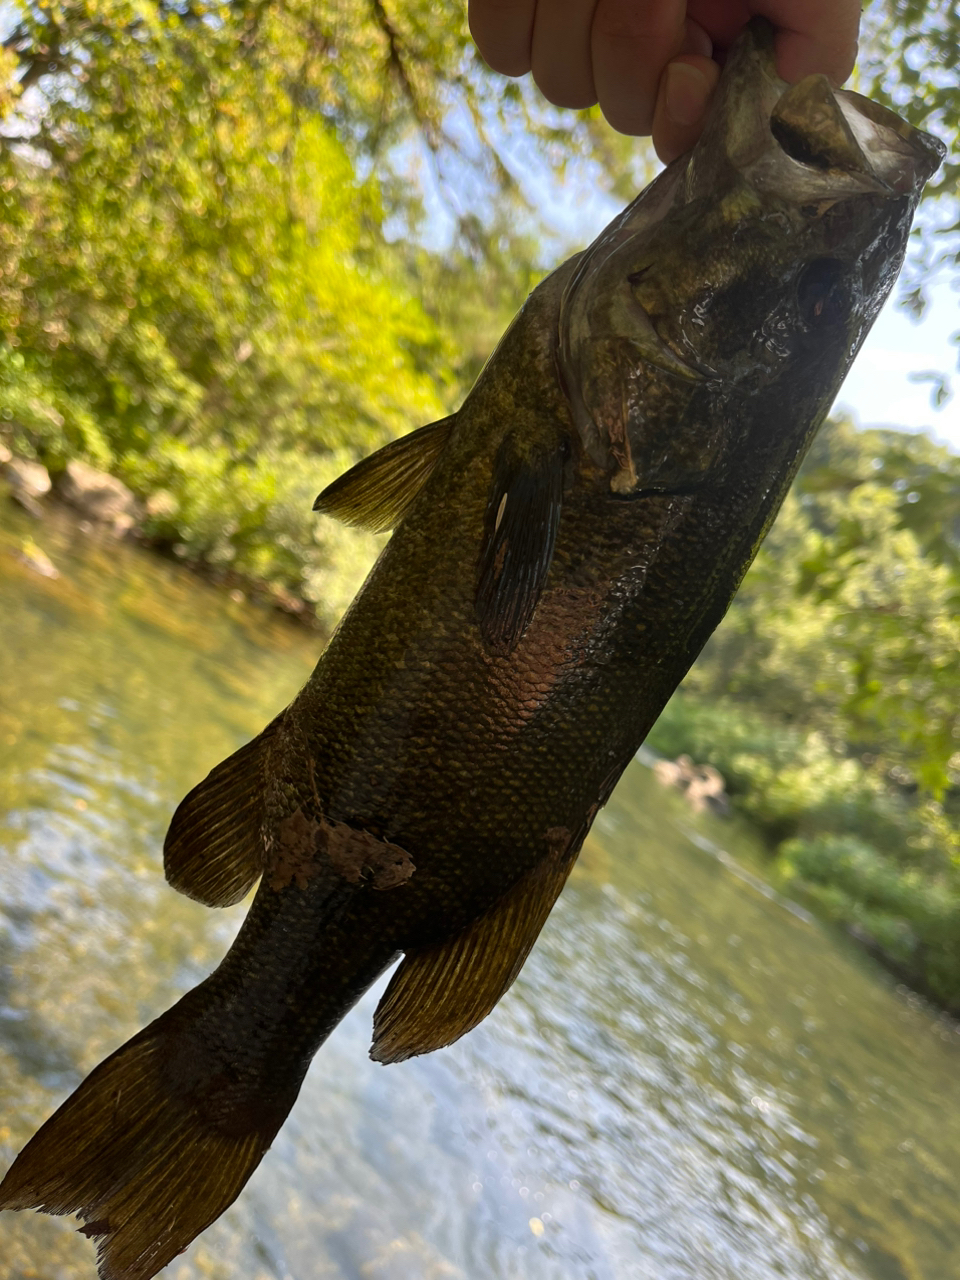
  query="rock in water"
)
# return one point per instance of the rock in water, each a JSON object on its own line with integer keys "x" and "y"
{"x": 27, "y": 477}
{"x": 98, "y": 496}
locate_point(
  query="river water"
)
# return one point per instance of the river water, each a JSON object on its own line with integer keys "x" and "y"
{"x": 691, "y": 1079}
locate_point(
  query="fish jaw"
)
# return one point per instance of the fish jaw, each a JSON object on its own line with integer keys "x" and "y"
{"x": 807, "y": 140}
{"x": 760, "y": 258}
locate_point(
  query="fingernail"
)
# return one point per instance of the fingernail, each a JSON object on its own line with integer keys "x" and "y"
{"x": 686, "y": 93}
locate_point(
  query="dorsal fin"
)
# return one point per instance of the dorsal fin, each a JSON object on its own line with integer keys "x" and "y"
{"x": 439, "y": 994}
{"x": 376, "y": 492}
{"x": 523, "y": 514}
{"x": 214, "y": 850}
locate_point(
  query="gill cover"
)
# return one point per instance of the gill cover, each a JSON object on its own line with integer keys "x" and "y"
{"x": 773, "y": 159}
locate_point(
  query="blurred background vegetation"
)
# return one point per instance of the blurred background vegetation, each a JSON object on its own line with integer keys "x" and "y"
{"x": 242, "y": 244}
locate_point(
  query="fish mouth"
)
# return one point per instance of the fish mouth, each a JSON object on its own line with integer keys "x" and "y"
{"x": 807, "y": 141}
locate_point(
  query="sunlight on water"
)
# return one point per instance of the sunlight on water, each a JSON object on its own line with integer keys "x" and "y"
{"x": 690, "y": 1081}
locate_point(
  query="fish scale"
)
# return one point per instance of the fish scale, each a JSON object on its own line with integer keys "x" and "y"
{"x": 563, "y": 547}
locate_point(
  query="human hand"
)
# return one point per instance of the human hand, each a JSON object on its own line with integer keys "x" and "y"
{"x": 653, "y": 64}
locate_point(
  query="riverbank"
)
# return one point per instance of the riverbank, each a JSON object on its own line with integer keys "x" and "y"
{"x": 98, "y": 501}
{"x": 829, "y": 698}
{"x": 877, "y": 861}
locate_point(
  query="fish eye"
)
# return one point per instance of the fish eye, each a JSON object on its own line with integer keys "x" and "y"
{"x": 820, "y": 293}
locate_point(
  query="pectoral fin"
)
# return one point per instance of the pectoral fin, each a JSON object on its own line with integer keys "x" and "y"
{"x": 523, "y": 514}
{"x": 377, "y": 491}
{"x": 214, "y": 849}
{"x": 439, "y": 994}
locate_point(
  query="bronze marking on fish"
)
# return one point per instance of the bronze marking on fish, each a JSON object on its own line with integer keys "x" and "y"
{"x": 303, "y": 844}
{"x": 563, "y": 546}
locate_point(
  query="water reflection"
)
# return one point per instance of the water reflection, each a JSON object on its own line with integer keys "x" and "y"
{"x": 689, "y": 1082}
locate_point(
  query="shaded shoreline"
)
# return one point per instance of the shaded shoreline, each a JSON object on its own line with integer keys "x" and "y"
{"x": 49, "y": 503}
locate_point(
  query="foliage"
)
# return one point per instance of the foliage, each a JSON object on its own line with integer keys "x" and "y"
{"x": 912, "y": 919}
{"x": 849, "y": 621}
{"x": 196, "y": 292}
{"x": 196, "y": 289}
{"x": 830, "y": 696}
{"x": 910, "y": 60}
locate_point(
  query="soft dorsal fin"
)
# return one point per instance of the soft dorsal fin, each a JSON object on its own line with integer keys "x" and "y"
{"x": 377, "y": 491}
{"x": 523, "y": 514}
{"x": 214, "y": 850}
{"x": 439, "y": 994}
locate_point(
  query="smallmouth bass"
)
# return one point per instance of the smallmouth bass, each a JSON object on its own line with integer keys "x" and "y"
{"x": 563, "y": 546}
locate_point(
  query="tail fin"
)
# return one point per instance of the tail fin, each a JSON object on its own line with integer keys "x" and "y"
{"x": 150, "y": 1149}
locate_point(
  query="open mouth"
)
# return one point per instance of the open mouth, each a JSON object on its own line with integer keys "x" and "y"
{"x": 833, "y": 144}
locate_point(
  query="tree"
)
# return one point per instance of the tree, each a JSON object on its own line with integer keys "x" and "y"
{"x": 829, "y": 697}
{"x": 910, "y": 60}
{"x": 848, "y": 623}
{"x": 197, "y": 292}
{"x": 197, "y": 285}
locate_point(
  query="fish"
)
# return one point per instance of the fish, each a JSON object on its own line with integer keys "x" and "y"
{"x": 563, "y": 546}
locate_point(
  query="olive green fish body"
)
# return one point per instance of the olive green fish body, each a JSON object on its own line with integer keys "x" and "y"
{"x": 563, "y": 546}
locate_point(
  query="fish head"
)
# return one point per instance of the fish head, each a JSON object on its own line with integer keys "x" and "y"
{"x": 750, "y": 270}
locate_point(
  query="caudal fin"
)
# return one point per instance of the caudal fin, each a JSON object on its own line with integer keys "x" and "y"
{"x": 150, "y": 1149}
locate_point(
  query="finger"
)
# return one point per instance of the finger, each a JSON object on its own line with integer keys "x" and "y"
{"x": 560, "y": 55}
{"x": 631, "y": 43}
{"x": 696, "y": 40}
{"x": 831, "y": 53}
{"x": 503, "y": 30}
{"x": 812, "y": 35}
{"x": 686, "y": 88}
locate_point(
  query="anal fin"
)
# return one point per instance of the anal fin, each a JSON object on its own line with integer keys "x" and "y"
{"x": 378, "y": 490}
{"x": 439, "y": 994}
{"x": 214, "y": 848}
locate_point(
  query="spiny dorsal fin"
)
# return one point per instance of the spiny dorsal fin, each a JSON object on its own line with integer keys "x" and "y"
{"x": 439, "y": 994}
{"x": 214, "y": 849}
{"x": 377, "y": 491}
{"x": 523, "y": 514}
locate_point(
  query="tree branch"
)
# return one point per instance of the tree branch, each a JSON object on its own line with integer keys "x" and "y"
{"x": 396, "y": 60}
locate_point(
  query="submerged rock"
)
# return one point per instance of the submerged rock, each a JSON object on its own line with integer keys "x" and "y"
{"x": 98, "y": 496}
